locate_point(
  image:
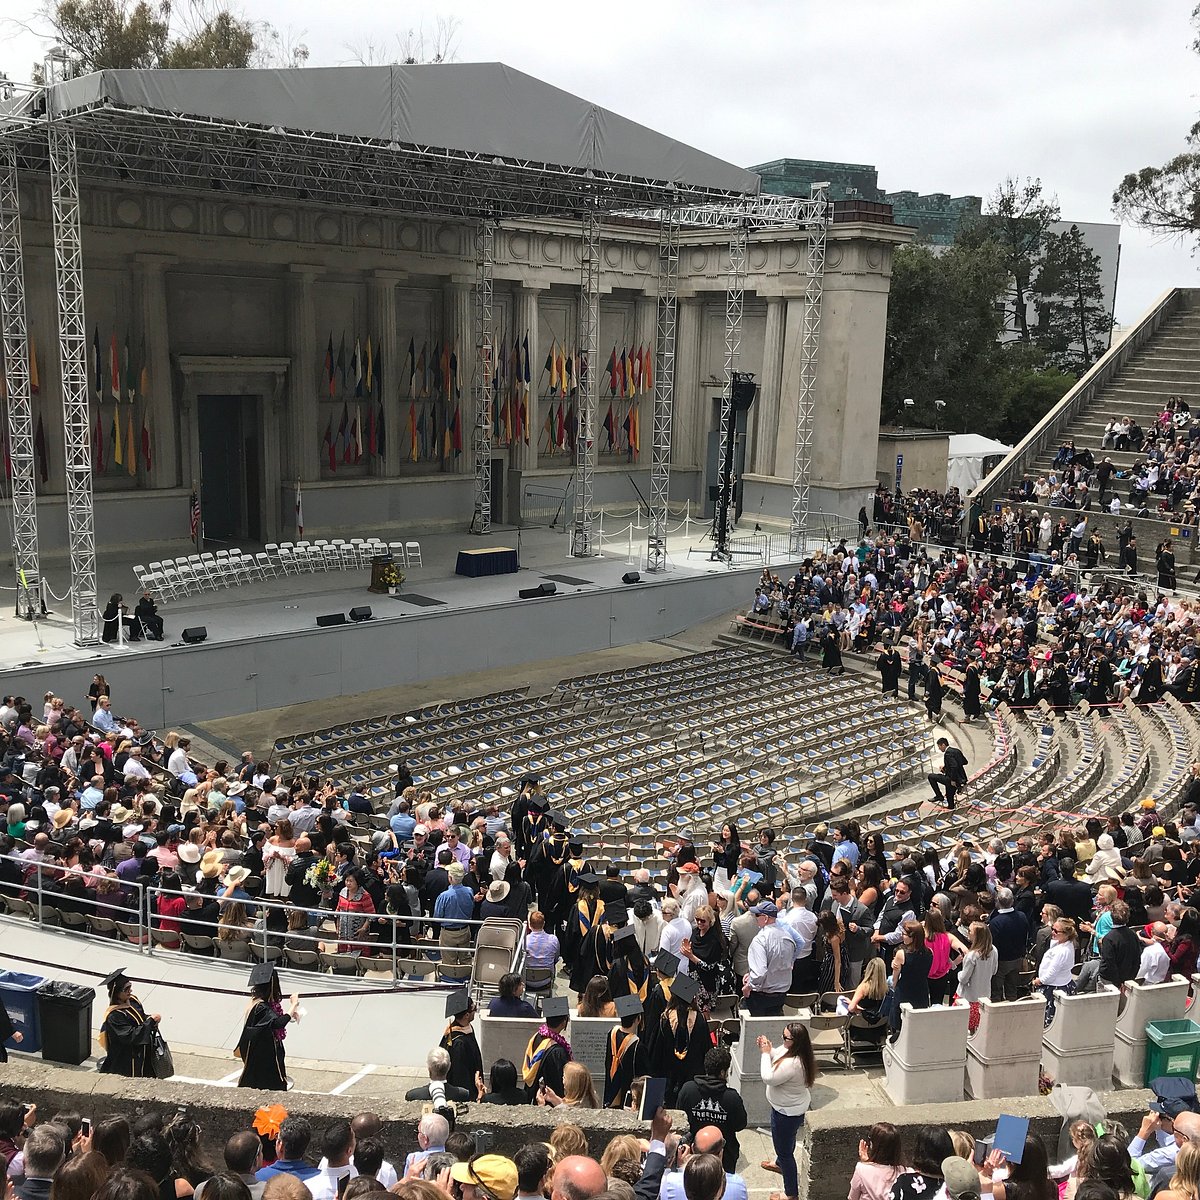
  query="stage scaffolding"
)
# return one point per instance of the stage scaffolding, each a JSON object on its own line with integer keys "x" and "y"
{"x": 15, "y": 334}
{"x": 735, "y": 297}
{"x": 584, "y": 542}
{"x": 664, "y": 388}
{"x": 485, "y": 369}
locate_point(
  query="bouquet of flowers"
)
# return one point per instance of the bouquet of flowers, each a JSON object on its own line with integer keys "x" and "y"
{"x": 390, "y": 577}
{"x": 320, "y": 875}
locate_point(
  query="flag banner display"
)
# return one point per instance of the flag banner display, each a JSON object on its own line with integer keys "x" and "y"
{"x": 194, "y": 515}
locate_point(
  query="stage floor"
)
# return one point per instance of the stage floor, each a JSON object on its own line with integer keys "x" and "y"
{"x": 290, "y": 604}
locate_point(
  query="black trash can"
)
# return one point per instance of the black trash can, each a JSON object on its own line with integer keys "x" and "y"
{"x": 65, "y": 1010}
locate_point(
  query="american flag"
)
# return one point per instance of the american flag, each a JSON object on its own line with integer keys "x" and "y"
{"x": 194, "y": 514}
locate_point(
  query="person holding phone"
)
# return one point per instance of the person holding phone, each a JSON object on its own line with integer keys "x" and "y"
{"x": 788, "y": 1073}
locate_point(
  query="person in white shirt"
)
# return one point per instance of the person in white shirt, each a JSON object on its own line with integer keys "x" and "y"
{"x": 134, "y": 767}
{"x": 501, "y": 857}
{"x": 338, "y": 1144}
{"x": 801, "y": 920}
{"x": 770, "y": 958}
{"x": 1054, "y": 971}
{"x": 179, "y": 763}
{"x": 674, "y": 930}
{"x": 1155, "y": 966}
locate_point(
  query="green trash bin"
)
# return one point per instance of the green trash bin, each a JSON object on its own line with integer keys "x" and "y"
{"x": 1172, "y": 1048}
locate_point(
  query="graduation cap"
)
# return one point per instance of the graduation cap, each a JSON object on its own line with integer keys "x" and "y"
{"x": 624, "y": 934}
{"x": 536, "y": 801}
{"x": 666, "y": 963}
{"x": 554, "y": 1008}
{"x": 628, "y": 1006}
{"x": 685, "y": 988}
{"x": 459, "y": 1001}
{"x": 588, "y": 879}
{"x": 262, "y": 975}
{"x": 115, "y": 981}
{"x": 615, "y": 916}
{"x": 531, "y": 780}
{"x": 556, "y": 818}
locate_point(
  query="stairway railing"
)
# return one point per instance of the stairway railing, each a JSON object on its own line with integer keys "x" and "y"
{"x": 1051, "y": 428}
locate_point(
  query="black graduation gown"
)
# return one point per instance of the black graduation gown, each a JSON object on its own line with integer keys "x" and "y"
{"x": 7, "y": 1029}
{"x": 629, "y": 975}
{"x": 1100, "y": 678}
{"x": 1151, "y": 687}
{"x": 128, "y": 1034}
{"x": 1166, "y": 570}
{"x": 933, "y": 693}
{"x": 263, "y": 1064}
{"x": 549, "y": 1068}
{"x": 594, "y": 956}
{"x": 971, "y": 704}
{"x": 465, "y": 1059}
{"x": 664, "y": 1060}
{"x": 620, "y": 1065}
{"x": 831, "y": 651}
{"x": 1060, "y": 687}
{"x": 889, "y": 666}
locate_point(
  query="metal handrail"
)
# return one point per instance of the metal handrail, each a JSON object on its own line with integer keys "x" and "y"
{"x": 1098, "y": 376}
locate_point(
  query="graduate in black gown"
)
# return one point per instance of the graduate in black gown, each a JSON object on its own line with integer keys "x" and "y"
{"x": 630, "y": 972}
{"x": 658, "y": 997}
{"x": 548, "y": 1052}
{"x": 261, "y": 1045}
{"x": 621, "y": 1058}
{"x": 466, "y": 1063}
{"x": 682, "y": 1040}
{"x": 8, "y": 1031}
{"x": 589, "y": 954}
{"x": 127, "y": 1031}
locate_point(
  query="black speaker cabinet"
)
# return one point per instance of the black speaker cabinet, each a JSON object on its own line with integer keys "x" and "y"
{"x": 331, "y": 619}
{"x": 362, "y": 613}
{"x": 195, "y": 634}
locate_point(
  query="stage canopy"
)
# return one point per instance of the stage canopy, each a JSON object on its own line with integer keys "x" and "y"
{"x": 970, "y": 454}
{"x": 460, "y": 139}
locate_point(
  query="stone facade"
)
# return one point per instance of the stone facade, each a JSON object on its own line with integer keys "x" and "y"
{"x": 237, "y": 299}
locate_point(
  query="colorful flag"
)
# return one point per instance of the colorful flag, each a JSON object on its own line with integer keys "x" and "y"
{"x": 356, "y": 367}
{"x": 412, "y": 369}
{"x": 130, "y": 444}
{"x": 328, "y": 443}
{"x": 114, "y": 369}
{"x": 525, "y": 376}
{"x": 421, "y": 435}
{"x": 608, "y": 425}
{"x": 560, "y": 431}
{"x": 548, "y": 365}
{"x": 648, "y": 370}
{"x": 130, "y": 374}
{"x": 356, "y": 438}
{"x": 146, "y": 455}
{"x": 453, "y": 368}
{"x": 636, "y": 361}
{"x": 456, "y": 426}
{"x": 422, "y": 380}
{"x": 116, "y": 439}
{"x": 341, "y": 360}
{"x": 39, "y": 445}
{"x": 612, "y": 372}
{"x": 372, "y": 446}
{"x": 521, "y": 421}
{"x": 329, "y": 363}
{"x": 570, "y": 383}
{"x": 548, "y": 429}
{"x": 369, "y": 372}
{"x": 625, "y": 428}
{"x": 194, "y": 516}
{"x": 621, "y": 369}
{"x": 299, "y": 497}
{"x": 35, "y": 385}
{"x": 344, "y": 433}
{"x": 98, "y": 363}
{"x": 635, "y": 430}
{"x": 629, "y": 374}
{"x": 438, "y": 382}
{"x": 143, "y": 373}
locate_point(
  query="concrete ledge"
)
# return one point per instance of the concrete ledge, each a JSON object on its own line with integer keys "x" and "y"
{"x": 833, "y": 1133}
{"x": 221, "y": 1111}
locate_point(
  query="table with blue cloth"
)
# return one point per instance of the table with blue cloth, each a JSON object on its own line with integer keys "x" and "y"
{"x": 494, "y": 560}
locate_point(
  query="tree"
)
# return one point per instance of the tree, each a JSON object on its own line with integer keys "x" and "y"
{"x": 943, "y": 322}
{"x": 1073, "y": 319}
{"x": 1018, "y": 221}
{"x": 1166, "y": 199}
{"x": 139, "y": 34}
{"x": 413, "y": 46}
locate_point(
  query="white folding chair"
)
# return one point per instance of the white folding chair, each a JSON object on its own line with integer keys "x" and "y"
{"x": 412, "y": 551}
{"x": 397, "y": 549}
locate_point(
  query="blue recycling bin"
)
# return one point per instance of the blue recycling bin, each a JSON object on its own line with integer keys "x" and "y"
{"x": 19, "y": 993}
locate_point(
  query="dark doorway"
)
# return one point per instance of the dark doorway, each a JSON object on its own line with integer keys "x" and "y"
{"x": 497, "y": 490}
{"x": 230, "y": 468}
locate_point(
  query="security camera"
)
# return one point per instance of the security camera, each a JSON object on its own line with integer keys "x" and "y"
{"x": 939, "y": 404}
{"x": 909, "y": 403}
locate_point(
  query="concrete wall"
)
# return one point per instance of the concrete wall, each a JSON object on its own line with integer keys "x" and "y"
{"x": 218, "y": 679}
{"x": 926, "y": 453}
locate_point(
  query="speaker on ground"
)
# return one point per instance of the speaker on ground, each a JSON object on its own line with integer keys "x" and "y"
{"x": 631, "y": 577}
{"x": 545, "y": 589}
{"x": 195, "y": 634}
{"x": 362, "y": 613}
{"x": 331, "y": 619}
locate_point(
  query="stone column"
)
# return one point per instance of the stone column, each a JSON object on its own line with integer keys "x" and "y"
{"x": 689, "y": 431}
{"x": 161, "y": 413}
{"x": 381, "y": 318}
{"x": 525, "y": 307}
{"x": 789, "y": 392}
{"x": 767, "y": 432}
{"x": 302, "y": 451}
{"x": 459, "y": 324}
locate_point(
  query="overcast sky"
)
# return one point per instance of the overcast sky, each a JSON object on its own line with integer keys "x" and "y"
{"x": 940, "y": 95}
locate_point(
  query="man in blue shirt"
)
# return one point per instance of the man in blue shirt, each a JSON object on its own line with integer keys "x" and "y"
{"x": 403, "y": 822}
{"x": 453, "y": 907}
{"x": 291, "y": 1145}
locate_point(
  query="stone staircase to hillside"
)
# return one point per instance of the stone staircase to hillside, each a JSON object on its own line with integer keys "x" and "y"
{"x": 1168, "y": 365}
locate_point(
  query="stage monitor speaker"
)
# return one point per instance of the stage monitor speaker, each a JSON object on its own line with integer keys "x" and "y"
{"x": 331, "y": 619}
{"x": 743, "y": 391}
{"x": 545, "y": 589}
{"x": 631, "y": 577}
{"x": 195, "y": 634}
{"x": 361, "y": 614}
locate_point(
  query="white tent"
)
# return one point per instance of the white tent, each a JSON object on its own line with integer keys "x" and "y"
{"x": 971, "y": 457}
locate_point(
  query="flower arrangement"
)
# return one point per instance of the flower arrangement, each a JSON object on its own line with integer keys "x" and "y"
{"x": 320, "y": 875}
{"x": 390, "y": 577}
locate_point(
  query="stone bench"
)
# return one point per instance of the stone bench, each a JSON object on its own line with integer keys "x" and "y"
{"x": 1004, "y": 1055}
{"x": 925, "y": 1064}
{"x": 1077, "y": 1045}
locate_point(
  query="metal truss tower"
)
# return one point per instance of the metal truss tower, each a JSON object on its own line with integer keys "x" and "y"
{"x": 584, "y": 541}
{"x": 485, "y": 370}
{"x": 664, "y": 388}
{"x": 15, "y": 332}
{"x": 72, "y": 351}
{"x": 810, "y": 344}
{"x": 735, "y": 295}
